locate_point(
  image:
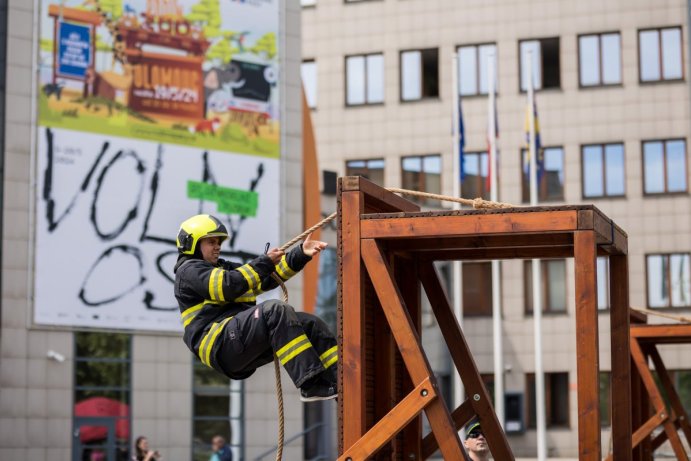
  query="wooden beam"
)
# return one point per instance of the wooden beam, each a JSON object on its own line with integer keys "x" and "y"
{"x": 674, "y": 333}
{"x": 587, "y": 348}
{"x": 464, "y": 362}
{"x": 377, "y": 196}
{"x": 482, "y": 242}
{"x": 409, "y": 345}
{"x": 460, "y": 417}
{"x": 498, "y": 253}
{"x": 351, "y": 342}
{"x": 453, "y": 226}
{"x": 392, "y": 423}
{"x": 621, "y": 354}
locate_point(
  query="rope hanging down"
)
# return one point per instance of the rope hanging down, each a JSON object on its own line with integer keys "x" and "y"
{"x": 475, "y": 203}
{"x": 678, "y": 318}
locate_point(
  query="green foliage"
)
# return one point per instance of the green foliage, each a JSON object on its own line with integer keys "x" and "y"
{"x": 208, "y": 14}
{"x": 266, "y": 45}
{"x": 221, "y": 50}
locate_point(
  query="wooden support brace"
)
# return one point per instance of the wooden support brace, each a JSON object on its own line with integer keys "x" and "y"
{"x": 392, "y": 423}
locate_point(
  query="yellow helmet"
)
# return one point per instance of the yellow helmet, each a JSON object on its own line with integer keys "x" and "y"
{"x": 196, "y": 228}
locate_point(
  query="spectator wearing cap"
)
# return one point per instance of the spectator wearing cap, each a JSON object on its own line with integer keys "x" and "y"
{"x": 475, "y": 443}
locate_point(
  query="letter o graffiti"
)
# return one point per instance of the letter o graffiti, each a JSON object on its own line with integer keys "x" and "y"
{"x": 125, "y": 249}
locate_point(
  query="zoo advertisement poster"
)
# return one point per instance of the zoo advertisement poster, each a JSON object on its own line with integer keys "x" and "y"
{"x": 140, "y": 128}
{"x": 200, "y": 73}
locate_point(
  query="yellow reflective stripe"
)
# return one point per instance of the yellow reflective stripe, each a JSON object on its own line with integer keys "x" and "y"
{"x": 211, "y": 285}
{"x": 292, "y": 343}
{"x": 326, "y": 354}
{"x": 284, "y": 269}
{"x": 331, "y": 361}
{"x": 208, "y": 341}
{"x": 204, "y": 340}
{"x": 254, "y": 274}
{"x": 246, "y": 298}
{"x": 213, "y": 339}
{"x": 219, "y": 285}
{"x": 189, "y": 314}
{"x": 245, "y": 274}
{"x": 297, "y": 351}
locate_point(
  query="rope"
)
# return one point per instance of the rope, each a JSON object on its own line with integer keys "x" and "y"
{"x": 678, "y": 318}
{"x": 475, "y": 203}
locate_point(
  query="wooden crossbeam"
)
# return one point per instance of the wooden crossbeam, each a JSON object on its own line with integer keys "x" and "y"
{"x": 464, "y": 363}
{"x": 392, "y": 423}
{"x": 409, "y": 345}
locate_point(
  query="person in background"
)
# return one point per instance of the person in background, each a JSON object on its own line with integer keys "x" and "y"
{"x": 221, "y": 449}
{"x": 475, "y": 443}
{"x": 142, "y": 452}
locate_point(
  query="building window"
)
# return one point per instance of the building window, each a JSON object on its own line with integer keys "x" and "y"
{"x": 603, "y": 170}
{"x": 488, "y": 381}
{"x": 546, "y": 67}
{"x": 419, "y": 74}
{"x": 599, "y": 59}
{"x": 605, "y": 399}
{"x": 477, "y": 289}
{"x": 556, "y": 399}
{"x": 422, "y": 173}
{"x": 102, "y": 395}
{"x": 552, "y": 283}
{"x": 372, "y": 169}
{"x": 603, "y": 283}
{"x": 309, "y": 82}
{"x": 664, "y": 166}
{"x": 669, "y": 280}
{"x": 550, "y": 187}
{"x": 472, "y": 68}
{"x": 475, "y": 175}
{"x": 682, "y": 384}
{"x": 364, "y": 79}
{"x": 217, "y": 409}
{"x": 660, "y": 54}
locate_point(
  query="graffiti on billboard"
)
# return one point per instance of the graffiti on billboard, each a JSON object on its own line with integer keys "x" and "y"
{"x": 109, "y": 210}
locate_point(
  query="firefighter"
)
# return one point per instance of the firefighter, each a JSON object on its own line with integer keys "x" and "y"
{"x": 229, "y": 331}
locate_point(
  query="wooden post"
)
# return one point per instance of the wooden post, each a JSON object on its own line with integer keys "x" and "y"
{"x": 621, "y": 357}
{"x": 352, "y": 360}
{"x": 587, "y": 348}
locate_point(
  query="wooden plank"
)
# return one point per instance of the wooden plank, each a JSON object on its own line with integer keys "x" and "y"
{"x": 587, "y": 348}
{"x": 460, "y": 417}
{"x": 392, "y": 423}
{"x": 498, "y": 253}
{"x": 452, "y": 226}
{"x": 378, "y": 196}
{"x": 352, "y": 349}
{"x": 621, "y": 354}
{"x": 640, "y": 413}
{"x": 673, "y": 333}
{"x": 464, "y": 362}
{"x": 444, "y": 430}
{"x": 397, "y": 315}
{"x": 646, "y": 429}
{"x": 75, "y": 14}
{"x": 409, "y": 345}
{"x": 482, "y": 242}
{"x": 654, "y": 394}
{"x": 405, "y": 270}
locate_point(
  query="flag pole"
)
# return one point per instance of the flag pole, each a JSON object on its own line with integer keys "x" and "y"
{"x": 458, "y": 390}
{"x": 496, "y": 265}
{"x": 537, "y": 291}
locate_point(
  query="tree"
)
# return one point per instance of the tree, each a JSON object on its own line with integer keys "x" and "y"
{"x": 221, "y": 50}
{"x": 112, "y": 7}
{"x": 208, "y": 14}
{"x": 267, "y": 45}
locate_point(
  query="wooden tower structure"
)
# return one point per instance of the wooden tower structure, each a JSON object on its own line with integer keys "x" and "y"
{"x": 387, "y": 247}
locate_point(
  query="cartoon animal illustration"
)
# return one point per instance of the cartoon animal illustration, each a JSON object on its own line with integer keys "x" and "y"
{"x": 53, "y": 88}
{"x": 207, "y": 126}
{"x": 218, "y": 101}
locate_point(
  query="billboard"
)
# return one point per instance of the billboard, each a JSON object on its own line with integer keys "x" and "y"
{"x": 150, "y": 111}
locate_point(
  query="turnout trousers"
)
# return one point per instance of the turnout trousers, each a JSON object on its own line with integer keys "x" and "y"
{"x": 303, "y": 343}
